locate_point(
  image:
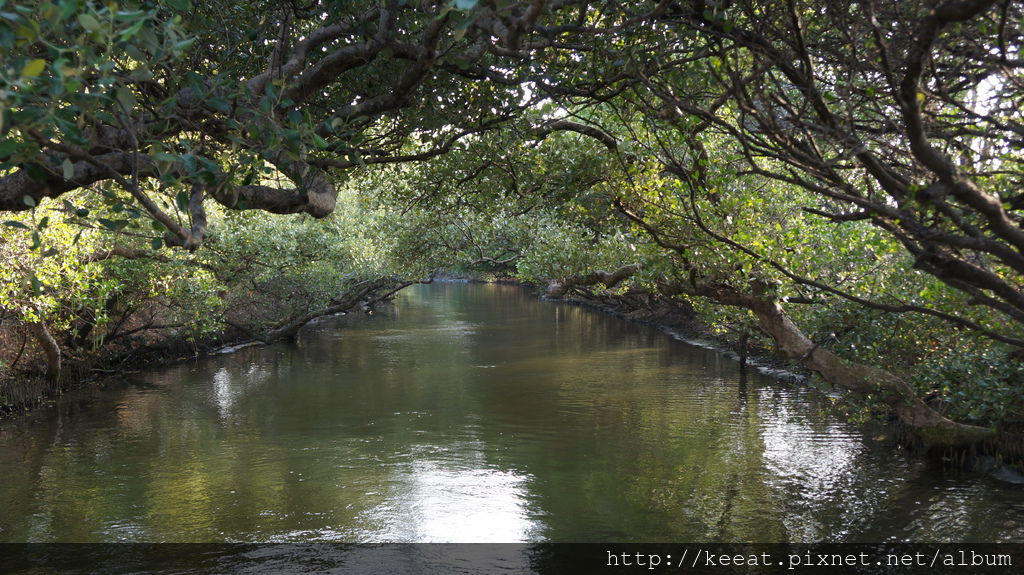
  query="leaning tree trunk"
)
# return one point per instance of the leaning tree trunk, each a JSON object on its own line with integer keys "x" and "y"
{"x": 933, "y": 428}
{"x": 51, "y": 350}
{"x": 289, "y": 329}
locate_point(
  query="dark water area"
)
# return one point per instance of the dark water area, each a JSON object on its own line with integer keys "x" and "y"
{"x": 475, "y": 413}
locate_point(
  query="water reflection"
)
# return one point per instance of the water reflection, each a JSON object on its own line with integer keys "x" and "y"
{"x": 441, "y": 504}
{"x": 474, "y": 413}
{"x": 811, "y": 462}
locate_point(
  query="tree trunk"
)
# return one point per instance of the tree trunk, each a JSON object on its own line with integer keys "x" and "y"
{"x": 934, "y": 429}
{"x": 50, "y": 349}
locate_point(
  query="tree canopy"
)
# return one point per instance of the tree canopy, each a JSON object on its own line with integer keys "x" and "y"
{"x": 842, "y": 179}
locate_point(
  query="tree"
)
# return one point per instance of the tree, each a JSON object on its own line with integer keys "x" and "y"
{"x": 891, "y": 115}
{"x": 894, "y": 127}
{"x": 895, "y": 114}
{"x": 179, "y": 110}
{"x": 154, "y": 110}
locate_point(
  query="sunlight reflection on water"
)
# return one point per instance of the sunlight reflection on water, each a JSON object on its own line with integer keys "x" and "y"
{"x": 440, "y": 504}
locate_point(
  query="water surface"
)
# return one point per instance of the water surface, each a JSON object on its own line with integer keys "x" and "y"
{"x": 469, "y": 413}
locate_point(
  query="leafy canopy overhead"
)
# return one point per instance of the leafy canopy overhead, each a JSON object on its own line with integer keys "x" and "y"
{"x": 905, "y": 115}
{"x": 860, "y": 159}
{"x": 263, "y": 104}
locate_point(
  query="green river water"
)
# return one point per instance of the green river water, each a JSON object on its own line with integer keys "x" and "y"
{"x": 475, "y": 413}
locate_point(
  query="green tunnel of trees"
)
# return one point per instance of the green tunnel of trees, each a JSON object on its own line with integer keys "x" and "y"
{"x": 840, "y": 181}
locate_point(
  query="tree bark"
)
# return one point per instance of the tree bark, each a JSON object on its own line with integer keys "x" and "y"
{"x": 607, "y": 279}
{"x": 50, "y": 348}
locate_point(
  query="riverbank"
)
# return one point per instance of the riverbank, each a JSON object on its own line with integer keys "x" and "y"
{"x": 28, "y": 389}
{"x": 25, "y": 385}
{"x": 680, "y": 321}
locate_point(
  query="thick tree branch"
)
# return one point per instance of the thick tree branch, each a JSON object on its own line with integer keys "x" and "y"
{"x": 607, "y": 279}
{"x": 16, "y": 186}
{"x": 933, "y": 428}
{"x": 569, "y": 126}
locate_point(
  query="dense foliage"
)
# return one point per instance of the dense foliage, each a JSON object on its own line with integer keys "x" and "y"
{"x": 840, "y": 181}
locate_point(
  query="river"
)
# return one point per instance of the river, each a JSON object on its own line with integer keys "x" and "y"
{"x": 476, "y": 413}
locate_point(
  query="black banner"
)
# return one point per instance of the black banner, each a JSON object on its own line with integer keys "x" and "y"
{"x": 540, "y": 558}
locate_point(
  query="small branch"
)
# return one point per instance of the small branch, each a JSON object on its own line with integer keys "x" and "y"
{"x": 125, "y": 253}
{"x": 850, "y": 217}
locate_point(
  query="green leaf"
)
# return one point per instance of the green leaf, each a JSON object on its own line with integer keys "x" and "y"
{"x": 68, "y": 7}
{"x": 209, "y": 165}
{"x": 125, "y": 97}
{"x": 184, "y": 44}
{"x": 69, "y": 169}
{"x": 28, "y": 201}
{"x": 132, "y": 30}
{"x": 37, "y": 286}
{"x": 165, "y": 157}
{"x": 182, "y": 5}
{"x": 128, "y": 16}
{"x": 460, "y": 29}
{"x": 219, "y": 104}
{"x": 189, "y": 161}
{"x": 142, "y": 73}
{"x": 16, "y": 224}
{"x": 89, "y": 22}
{"x": 63, "y": 68}
{"x": 7, "y": 147}
{"x": 156, "y": 244}
{"x": 182, "y": 200}
{"x": 27, "y": 34}
{"x": 112, "y": 225}
{"x": 33, "y": 68}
